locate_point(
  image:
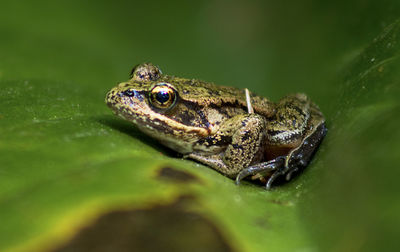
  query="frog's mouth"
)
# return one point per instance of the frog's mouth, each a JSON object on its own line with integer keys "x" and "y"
{"x": 175, "y": 135}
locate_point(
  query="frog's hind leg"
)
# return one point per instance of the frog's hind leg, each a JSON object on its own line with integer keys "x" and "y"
{"x": 287, "y": 128}
{"x": 293, "y": 136}
{"x": 285, "y": 165}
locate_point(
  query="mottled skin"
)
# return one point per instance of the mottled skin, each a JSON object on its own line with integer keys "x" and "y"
{"x": 215, "y": 126}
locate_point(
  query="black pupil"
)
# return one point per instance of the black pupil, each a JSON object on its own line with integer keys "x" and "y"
{"x": 129, "y": 93}
{"x": 162, "y": 96}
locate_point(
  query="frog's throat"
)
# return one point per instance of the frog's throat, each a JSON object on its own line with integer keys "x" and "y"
{"x": 178, "y": 137}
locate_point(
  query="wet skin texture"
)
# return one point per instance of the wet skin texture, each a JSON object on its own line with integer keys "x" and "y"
{"x": 240, "y": 135}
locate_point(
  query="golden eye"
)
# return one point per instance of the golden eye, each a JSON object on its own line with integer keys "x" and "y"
{"x": 163, "y": 96}
{"x": 146, "y": 72}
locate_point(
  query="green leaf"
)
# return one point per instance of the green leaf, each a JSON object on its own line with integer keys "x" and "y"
{"x": 358, "y": 194}
{"x": 73, "y": 177}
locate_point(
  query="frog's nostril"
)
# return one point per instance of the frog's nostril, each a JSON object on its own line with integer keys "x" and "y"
{"x": 129, "y": 93}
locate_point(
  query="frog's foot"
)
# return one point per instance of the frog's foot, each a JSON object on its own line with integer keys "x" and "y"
{"x": 275, "y": 166}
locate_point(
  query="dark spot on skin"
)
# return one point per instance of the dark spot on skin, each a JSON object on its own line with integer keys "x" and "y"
{"x": 159, "y": 228}
{"x": 246, "y": 136}
{"x": 236, "y": 146}
{"x": 236, "y": 103}
{"x": 211, "y": 140}
{"x": 213, "y": 93}
{"x": 299, "y": 110}
{"x": 203, "y": 118}
{"x": 294, "y": 123}
{"x": 174, "y": 175}
{"x": 185, "y": 117}
{"x": 275, "y": 132}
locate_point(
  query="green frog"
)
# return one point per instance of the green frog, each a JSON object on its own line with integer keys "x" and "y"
{"x": 234, "y": 131}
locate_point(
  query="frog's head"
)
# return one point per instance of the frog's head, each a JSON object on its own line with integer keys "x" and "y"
{"x": 143, "y": 95}
{"x": 148, "y": 101}
{"x": 134, "y": 100}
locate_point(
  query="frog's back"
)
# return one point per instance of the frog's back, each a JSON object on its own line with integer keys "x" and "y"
{"x": 193, "y": 90}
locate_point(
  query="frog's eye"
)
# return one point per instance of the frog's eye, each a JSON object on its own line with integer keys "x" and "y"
{"x": 162, "y": 96}
{"x": 146, "y": 72}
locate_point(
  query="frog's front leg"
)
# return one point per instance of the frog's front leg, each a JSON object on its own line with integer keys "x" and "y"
{"x": 247, "y": 134}
{"x": 293, "y": 136}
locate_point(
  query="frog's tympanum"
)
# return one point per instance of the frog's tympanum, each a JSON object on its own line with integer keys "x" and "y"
{"x": 231, "y": 130}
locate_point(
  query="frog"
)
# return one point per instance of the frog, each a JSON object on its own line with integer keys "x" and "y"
{"x": 234, "y": 131}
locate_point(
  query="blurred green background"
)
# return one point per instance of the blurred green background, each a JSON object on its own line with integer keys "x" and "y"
{"x": 67, "y": 163}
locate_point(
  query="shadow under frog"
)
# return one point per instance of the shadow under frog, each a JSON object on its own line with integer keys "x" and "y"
{"x": 127, "y": 128}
